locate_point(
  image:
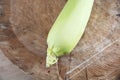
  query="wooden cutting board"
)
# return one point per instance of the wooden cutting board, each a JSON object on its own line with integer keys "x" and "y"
{"x": 26, "y": 23}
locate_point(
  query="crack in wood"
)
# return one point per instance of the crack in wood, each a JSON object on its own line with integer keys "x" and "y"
{"x": 89, "y": 61}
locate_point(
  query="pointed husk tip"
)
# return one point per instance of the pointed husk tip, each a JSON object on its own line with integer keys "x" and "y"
{"x": 50, "y": 59}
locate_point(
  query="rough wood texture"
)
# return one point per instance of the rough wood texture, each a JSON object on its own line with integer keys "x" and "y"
{"x": 99, "y": 40}
{"x": 26, "y": 60}
{"x": 23, "y": 40}
{"x": 19, "y": 54}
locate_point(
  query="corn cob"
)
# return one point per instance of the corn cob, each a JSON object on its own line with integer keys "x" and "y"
{"x": 68, "y": 29}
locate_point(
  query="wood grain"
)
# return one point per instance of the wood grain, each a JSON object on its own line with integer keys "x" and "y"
{"x": 24, "y": 25}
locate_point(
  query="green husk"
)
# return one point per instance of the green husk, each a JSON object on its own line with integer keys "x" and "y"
{"x": 68, "y": 29}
